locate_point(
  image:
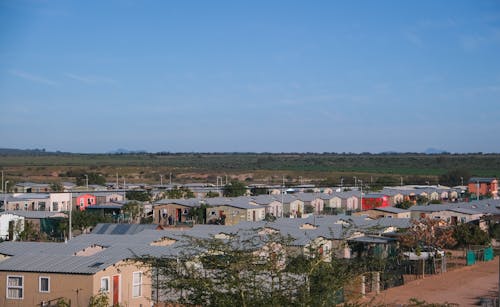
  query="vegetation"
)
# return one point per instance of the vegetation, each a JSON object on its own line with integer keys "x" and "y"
{"x": 328, "y": 168}
{"x": 249, "y": 270}
{"x": 138, "y": 195}
{"x": 179, "y": 193}
{"x": 93, "y": 178}
{"x": 234, "y": 189}
{"x": 211, "y": 194}
{"x": 82, "y": 220}
{"x": 470, "y": 234}
{"x": 134, "y": 210}
{"x": 428, "y": 233}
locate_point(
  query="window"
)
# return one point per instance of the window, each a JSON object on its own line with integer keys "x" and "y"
{"x": 105, "y": 284}
{"x": 137, "y": 284}
{"x": 55, "y": 206}
{"x": 15, "y": 287}
{"x": 44, "y": 284}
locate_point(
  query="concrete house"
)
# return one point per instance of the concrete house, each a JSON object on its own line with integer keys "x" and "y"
{"x": 292, "y": 206}
{"x": 173, "y": 211}
{"x": 38, "y": 274}
{"x": 483, "y": 186}
{"x": 312, "y": 199}
{"x": 231, "y": 211}
{"x": 31, "y": 187}
{"x": 391, "y": 212}
{"x": 271, "y": 204}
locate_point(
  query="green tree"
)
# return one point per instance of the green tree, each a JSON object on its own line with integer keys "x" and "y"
{"x": 308, "y": 208}
{"x": 56, "y": 187}
{"x": 138, "y": 195}
{"x": 179, "y": 193}
{"x": 427, "y": 232}
{"x": 82, "y": 220}
{"x": 405, "y": 204}
{"x": 94, "y": 178}
{"x": 470, "y": 234}
{"x": 211, "y": 194}
{"x": 248, "y": 269}
{"x": 99, "y": 300}
{"x": 454, "y": 177}
{"x": 134, "y": 210}
{"x": 198, "y": 214}
{"x": 234, "y": 189}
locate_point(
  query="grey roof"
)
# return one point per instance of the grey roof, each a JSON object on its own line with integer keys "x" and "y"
{"x": 481, "y": 179}
{"x": 35, "y": 214}
{"x": 32, "y": 184}
{"x": 372, "y": 239}
{"x": 121, "y": 229}
{"x": 190, "y": 202}
{"x": 391, "y": 209}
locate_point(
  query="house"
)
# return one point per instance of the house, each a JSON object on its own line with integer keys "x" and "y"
{"x": 27, "y": 201}
{"x": 483, "y": 186}
{"x": 292, "y": 206}
{"x": 45, "y": 222}
{"x": 379, "y": 212}
{"x": 312, "y": 199}
{"x": 83, "y": 200}
{"x": 31, "y": 187}
{"x": 231, "y": 211}
{"x": 39, "y": 274}
{"x": 374, "y": 200}
{"x": 272, "y": 204}
{"x": 8, "y": 224}
{"x": 173, "y": 211}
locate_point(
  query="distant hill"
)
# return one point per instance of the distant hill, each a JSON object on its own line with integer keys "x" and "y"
{"x": 434, "y": 151}
{"x": 121, "y": 151}
{"x": 28, "y": 152}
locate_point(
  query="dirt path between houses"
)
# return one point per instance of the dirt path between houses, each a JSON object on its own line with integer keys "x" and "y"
{"x": 462, "y": 286}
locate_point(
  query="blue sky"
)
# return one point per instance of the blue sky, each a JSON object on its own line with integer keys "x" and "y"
{"x": 276, "y": 76}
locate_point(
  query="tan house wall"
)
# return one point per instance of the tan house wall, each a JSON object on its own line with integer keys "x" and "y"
{"x": 78, "y": 287}
{"x": 233, "y": 215}
{"x": 70, "y": 286}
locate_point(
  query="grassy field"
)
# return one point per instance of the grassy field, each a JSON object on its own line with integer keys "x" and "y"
{"x": 266, "y": 168}
{"x": 259, "y": 168}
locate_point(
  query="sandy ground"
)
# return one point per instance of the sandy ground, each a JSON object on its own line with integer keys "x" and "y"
{"x": 462, "y": 286}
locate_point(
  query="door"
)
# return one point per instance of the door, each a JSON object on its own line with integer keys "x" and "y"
{"x": 179, "y": 215}
{"x": 116, "y": 290}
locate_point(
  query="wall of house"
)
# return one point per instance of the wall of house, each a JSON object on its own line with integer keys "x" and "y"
{"x": 233, "y": 215}
{"x": 124, "y": 270}
{"x": 163, "y": 212}
{"x": 79, "y": 287}
{"x": 449, "y": 215}
{"x": 484, "y": 188}
{"x": 5, "y": 219}
{"x": 60, "y": 202}
{"x": 70, "y": 286}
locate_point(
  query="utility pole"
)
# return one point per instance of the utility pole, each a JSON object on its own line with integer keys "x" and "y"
{"x": 170, "y": 181}
{"x": 355, "y": 181}
{"x": 361, "y": 186}
{"x": 117, "y": 185}
{"x": 401, "y": 180}
{"x": 5, "y": 195}
{"x": 161, "y": 180}
{"x": 282, "y": 196}
{"x": 87, "y": 181}
{"x": 477, "y": 190}
{"x": 70, "y": 222}
{"x": 2, "y": 183}
{"x": 341, "y": 182}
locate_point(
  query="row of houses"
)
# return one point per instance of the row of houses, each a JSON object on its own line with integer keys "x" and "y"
{"x": 33, "y": 273}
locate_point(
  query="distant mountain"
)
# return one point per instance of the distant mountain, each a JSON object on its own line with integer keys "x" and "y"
{"x": 434, "y": 151}
{"x": 28, "y": 152}
{"x": 122, "y": 151}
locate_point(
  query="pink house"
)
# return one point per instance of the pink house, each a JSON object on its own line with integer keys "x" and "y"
{"x": 85, "y": 200}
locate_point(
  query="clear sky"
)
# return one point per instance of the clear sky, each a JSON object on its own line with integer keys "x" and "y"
{"x": 276, "y": 76}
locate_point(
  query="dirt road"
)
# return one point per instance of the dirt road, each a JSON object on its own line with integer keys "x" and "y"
{"x": 462, "y": 286}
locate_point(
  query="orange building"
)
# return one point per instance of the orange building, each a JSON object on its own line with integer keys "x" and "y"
{"x": 483, "y": 186}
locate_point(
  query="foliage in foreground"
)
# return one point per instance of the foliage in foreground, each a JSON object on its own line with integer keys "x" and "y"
{"x": 249, "y": 269}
